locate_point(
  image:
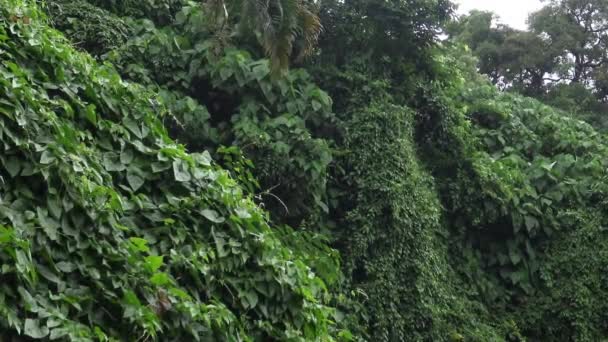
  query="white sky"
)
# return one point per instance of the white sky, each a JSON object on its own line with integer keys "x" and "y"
{"x": 511, "y": 12}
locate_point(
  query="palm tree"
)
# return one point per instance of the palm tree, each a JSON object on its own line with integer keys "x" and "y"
{"x": 277, "y": 25}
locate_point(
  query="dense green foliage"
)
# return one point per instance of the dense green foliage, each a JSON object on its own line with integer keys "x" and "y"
{"x": 536, "y": 181}
{"x": 393, "y": 249}
{"x": 184, "y": 184}
{"x": 90, "y": 27}
{"x": 110, "y": 230}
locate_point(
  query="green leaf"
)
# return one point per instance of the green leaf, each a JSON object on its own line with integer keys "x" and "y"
{"x": 179, "y": 293}
{"x": 160, "y": 167}
{"x": 225, "y": 73}
{"x": 531, "y": 223}
{"x": 126, "y": 156}
{"x": 260, "y": 71}
{"x": 48, "y": 224}
{"x": 48, "y": 274}
{"x": 140, "y": 244}
{"x": 160, "y": 279}
{"x": 12, "y": 166}
{"x": 111, "y": 162}
{"x": 65, "y": 267}
{"x": 135, "y": 181}
{"x": 212, "y": 215}
{"x": 133, "y": 126}
{"x": 90, "y": 114}
{"x": 252, "y": 298}
{"x": 55, "y": 206}
{"x": 100, "y": 334}
{"x": 515, "y": 256}
{"x": 6, "y": 235}
{"x": 242, "y": 213}
{"x": 154, "y": 262}
{"x": 47, "y": 157}
{"x": 53, "y": 323}
{"x": 180, "y": 171}
{"x": 33, "y": 329}
{"x": 203, "y": 158}
{"x": 58, "y": 333}
{"x": 130, "y": 298}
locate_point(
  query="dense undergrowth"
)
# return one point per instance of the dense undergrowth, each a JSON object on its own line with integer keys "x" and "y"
{"x": 110, "y": 230}
{"x": 172, "y": 187}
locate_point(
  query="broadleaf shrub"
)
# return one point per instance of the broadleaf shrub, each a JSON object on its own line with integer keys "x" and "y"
{"x": 242, "y": 99}
{"x": 110, "y": 230}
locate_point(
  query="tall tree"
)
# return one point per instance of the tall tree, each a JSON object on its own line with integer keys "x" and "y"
{"x": 578, "y": 33}
{"x": 477, "y": 30}
{"x": 367, "y": 40}
{"x": 511, "y": 58}
{"x": 376, "y": 30}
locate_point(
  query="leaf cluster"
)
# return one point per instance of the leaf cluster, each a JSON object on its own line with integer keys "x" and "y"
{"x": 109, "y": 230}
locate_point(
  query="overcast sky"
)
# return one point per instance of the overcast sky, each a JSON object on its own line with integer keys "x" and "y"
{"x": 512, "y": 12}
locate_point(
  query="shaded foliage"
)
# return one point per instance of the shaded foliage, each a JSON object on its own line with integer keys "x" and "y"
{"x": 386, "y": 40}
{"x": 245, "y": 104}
{"x": 161, "y": 12}
{"x": 91, "y": 28}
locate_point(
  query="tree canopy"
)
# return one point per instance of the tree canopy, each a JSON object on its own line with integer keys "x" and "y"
{"x": 561, "y": 59}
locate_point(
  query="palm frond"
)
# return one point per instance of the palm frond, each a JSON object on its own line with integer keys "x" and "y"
{"x": 311, "y": 27}
{"x": 277, "y": 24}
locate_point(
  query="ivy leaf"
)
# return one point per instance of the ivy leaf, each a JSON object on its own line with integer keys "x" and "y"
{"x": 225, "y": 73}
{"x": 111, "y": 162}
{"x": 55, "y": 207}
{"x": 252, "y": 298}
{"x": 133, "y": 126}
{"x": 520, "y": 276}
{"x": 160, "y": 167}
{"x": 260, "y": 71}
{"x": 47, "y": 157}
{"x": 212, "y": 215}
{"x": 180, "y": 171}
{"x": 140, "y": 244}
{"x": 202, "y": 158}
{"x": 90, "y": 114}
{"x": 531, "y": 223}
{"x": 65, "y": 267}
{"x": 242, "y": 213}
{"x": 33, "y": 329}
{"x": 12, "y": 166}
{"x": 160, "y": 279}
{"x": 48, "y": 274}
{"x": 135, "y": 181}
{"x": 48, "y": 224}
{"x": 58, "y": 333}
{"x": 126, "y": 156}
{"x": 154, "y": 262}
{"x": 515, "y": 256}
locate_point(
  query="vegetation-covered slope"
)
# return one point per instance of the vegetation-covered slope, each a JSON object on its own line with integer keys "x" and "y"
{"x": 527, "y": 184}
{"x": 110, "y": 230}
{"x": 460, "y": 213}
